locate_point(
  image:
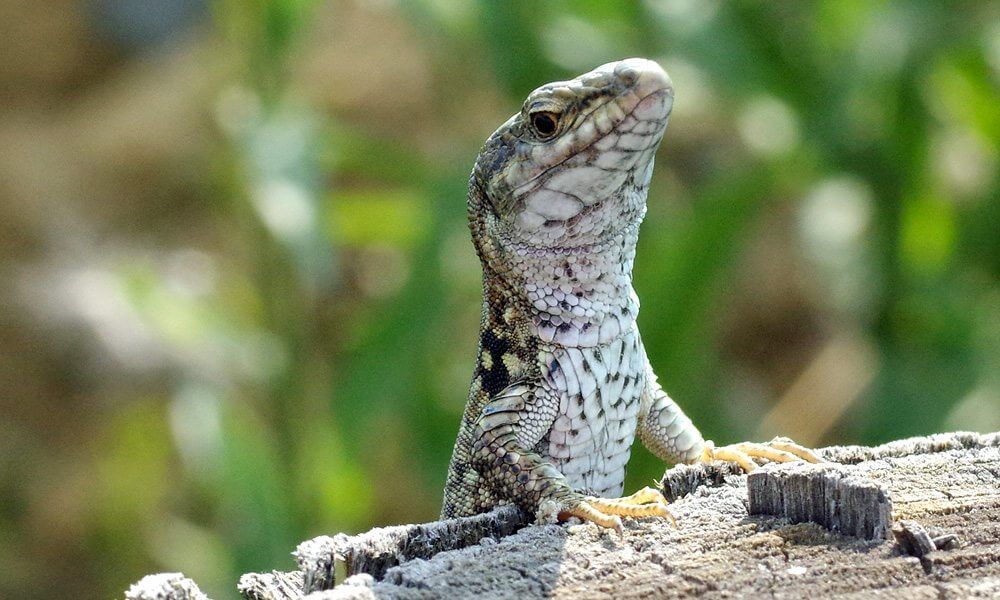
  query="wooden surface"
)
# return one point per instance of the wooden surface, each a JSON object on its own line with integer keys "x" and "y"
{"x": 165, "y": 586}
{"x": 831, "y": 495}
{"x": 376, "y": 551}
{"x": 941, "y": 494}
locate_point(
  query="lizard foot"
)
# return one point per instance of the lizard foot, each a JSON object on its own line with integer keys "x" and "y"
{"x": 777, "y": 450}
{"x": 607, "y": 512}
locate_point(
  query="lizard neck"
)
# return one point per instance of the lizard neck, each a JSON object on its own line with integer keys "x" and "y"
{"x": 580, "y": 296}
{"x": 573, "y": 295}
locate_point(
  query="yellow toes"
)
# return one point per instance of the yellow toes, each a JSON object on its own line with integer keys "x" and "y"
{"x": 586, "y": 512}
{"x": 618, "y": 506}
{"x": 787, "y": 445}
{"x": 607, "y": 512}
{"x": 644, "y": 496}
{"x": 764, "y": 451}
{"x": 777, "y": 450}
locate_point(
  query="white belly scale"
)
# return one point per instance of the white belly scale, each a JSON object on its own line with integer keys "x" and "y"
{"x": 599, "y": 390}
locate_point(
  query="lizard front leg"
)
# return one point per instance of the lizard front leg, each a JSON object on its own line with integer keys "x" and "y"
{"x": 513, "y": 423}
{"x": 670, "y": 435}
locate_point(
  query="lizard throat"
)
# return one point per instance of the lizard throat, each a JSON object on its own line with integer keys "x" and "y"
{"x": 581, "y": 296}
{"x": 606, "y": 242}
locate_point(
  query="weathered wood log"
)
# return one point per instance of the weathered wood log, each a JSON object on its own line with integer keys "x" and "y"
{"x": 165, "y": 586}
{"x": 376, "y": 551}
{"x": 942, "y": 493}
{"x": 267, "y": 586}
{"x": 823, "y": 494}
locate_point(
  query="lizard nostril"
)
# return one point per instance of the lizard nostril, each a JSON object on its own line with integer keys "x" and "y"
{"x": 628, "y": 75}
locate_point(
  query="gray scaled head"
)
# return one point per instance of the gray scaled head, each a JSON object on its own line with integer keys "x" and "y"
{"x": 572, "y": 167}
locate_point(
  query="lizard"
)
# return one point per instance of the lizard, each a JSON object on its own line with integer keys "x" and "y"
{"x": 562, "y": 384}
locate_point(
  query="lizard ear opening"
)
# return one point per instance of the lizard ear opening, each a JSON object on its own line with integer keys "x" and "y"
{"x": 480, "y": 197}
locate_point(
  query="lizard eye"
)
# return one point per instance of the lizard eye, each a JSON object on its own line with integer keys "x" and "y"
{"x": 544, "y": 123}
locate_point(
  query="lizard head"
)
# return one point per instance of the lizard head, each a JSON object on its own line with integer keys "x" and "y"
{"x": 571, "y": 169}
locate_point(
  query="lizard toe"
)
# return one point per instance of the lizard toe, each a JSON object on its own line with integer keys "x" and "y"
{"x": 607, "y": 512}
{"x": 746, "y": 454}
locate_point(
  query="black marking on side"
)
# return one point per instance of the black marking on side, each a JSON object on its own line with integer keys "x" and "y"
{"x": 497, "y": 377}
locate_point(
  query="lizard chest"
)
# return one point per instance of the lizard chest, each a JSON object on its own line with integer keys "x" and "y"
{"x": 599, "y": 390}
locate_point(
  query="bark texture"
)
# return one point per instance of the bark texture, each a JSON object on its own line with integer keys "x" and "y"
{"x": 816, "y": 531}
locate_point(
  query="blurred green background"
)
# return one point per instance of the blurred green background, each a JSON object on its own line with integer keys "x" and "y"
{"x": 239, "y": 302}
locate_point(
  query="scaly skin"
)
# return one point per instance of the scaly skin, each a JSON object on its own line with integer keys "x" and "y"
{"x": 562, "y": 383}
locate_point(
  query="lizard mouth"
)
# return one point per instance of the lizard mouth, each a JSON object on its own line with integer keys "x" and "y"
{"x": 596, "y": 191}
{"x": 588, "y": 186}
{"x": 650, "y": 103}
{"x": 633, "y": 115}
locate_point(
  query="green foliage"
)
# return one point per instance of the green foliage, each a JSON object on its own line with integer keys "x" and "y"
{"x": 830, "y": 172}
{"x": 354, "y": 426}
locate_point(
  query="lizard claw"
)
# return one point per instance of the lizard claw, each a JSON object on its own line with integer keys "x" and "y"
{"x": 607, "y": 512}
{"x": 743, "y": 454}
